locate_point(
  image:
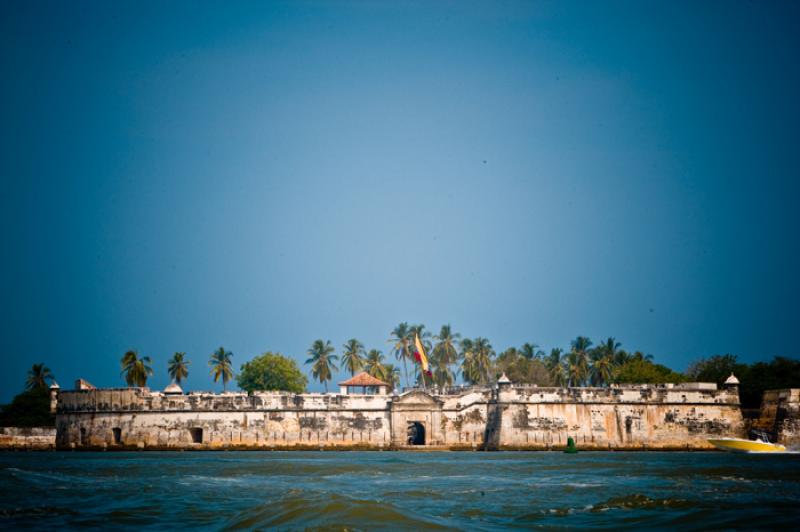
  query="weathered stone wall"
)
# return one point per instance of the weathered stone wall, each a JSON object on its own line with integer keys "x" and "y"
{"x": 635, "y": 417}
{"x": 780, "y": 415}
{"x": 138, "y": 418}
{"x": 27, "y": 438}
{"x": 640, "y": 417}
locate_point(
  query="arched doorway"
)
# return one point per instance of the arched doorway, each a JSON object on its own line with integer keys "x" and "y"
{"x": 416, "y": 433}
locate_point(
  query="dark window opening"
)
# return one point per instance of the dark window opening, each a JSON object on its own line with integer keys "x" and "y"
{"x": 197, "y": 435}
{"x": 83, "y": 436}
{"x": 628, "y": 424}
{"x": 117, "y": 432}
{"x": 416, "y": 433}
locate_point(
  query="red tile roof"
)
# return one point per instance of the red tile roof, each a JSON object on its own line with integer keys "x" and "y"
{"x": 363, "y": 379}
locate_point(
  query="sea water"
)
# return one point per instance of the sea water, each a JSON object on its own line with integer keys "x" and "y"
{"x": 398, "y": 490}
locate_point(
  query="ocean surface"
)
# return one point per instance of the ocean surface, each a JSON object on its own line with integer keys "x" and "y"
{"x": 398, "y": 490}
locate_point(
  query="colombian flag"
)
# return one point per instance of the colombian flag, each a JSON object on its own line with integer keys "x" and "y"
{"x": 420, "y": 355}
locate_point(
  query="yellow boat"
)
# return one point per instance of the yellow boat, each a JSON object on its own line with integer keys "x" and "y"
{"x": 738, "y": 445}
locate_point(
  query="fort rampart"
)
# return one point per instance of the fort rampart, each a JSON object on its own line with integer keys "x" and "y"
{"x": 27, "y": 438}
{"x": 505, "y": 417}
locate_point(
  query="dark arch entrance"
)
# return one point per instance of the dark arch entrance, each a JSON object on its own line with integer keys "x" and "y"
{"x": 416, "y": 433}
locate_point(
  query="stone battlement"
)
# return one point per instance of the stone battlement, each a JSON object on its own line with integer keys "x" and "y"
{"x": 144, "y": 400}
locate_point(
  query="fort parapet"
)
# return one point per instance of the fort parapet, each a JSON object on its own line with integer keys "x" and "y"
{"x": 504, "y": 417}
{"x": 27, "y": 438}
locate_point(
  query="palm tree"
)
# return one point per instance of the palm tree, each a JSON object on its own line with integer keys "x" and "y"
{"x": 401, "y": 340}
{"x": 442, "y": 375}
{"x": 555, "y": 366}
{"x": 531, "y": 351}
{"x": 424, "y": 336}
{"x": 178, "y": 367}
{"x": 391, "y": 376}
{"x": 135, "y": 369}
{"x": 577, "y": 368}
{"x": 512, "y": 353}
{"x": 476, "y": 365}
{"x": 578, "y": 361}
{"x": 621, "y": 358}
{"x": 444, "y": 355}
{"x": 610, "y": 347}
{"x": 483, "y": 358}
{"x": 581, "y": 344}
{"x": 604, "y": 358}
{"x": 220, "y": 364}
{"x": 602, "y": 370}
{"x": 374, "y": 365}
{"x": 322, "y": 361}
{"x": 38, "y": 377}
{"x": 445, "y": 346}
{"x": 352, "y": 358}
{"x": 469, "y": 367}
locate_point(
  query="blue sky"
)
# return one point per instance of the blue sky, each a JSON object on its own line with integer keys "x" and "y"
{"x": 181, "y": 176}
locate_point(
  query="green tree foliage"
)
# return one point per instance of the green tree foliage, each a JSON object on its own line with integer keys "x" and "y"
{"x": 444, "y": 355}
{"x": 323, "y": 361}
{"x": 178, "y": 367}
{"x": 485, "y": 357}
{"x": 603, "y": 362}
{"x": 136, "y": 369}
{"x": 715, "y": 369}
{"x": 778, "y": 374}
{"x": 221, "y": 366}
{"x": 477, "y": 360}
{"x": 755, "y": 378}
{"x": 401, "y": 340}
{"x": 353, "y": 356}
{"x": 642, "y": 371}
{"x": 555, "y": 366}
{"x": 391, "y": 376}
{"x": 469, "y": 366}
{"x": 374, "y": 365}
{"x": 520, "y": 369}
{"x": 577, "y": 361}
{"x": 39, "y": 377}
{"x": 530, "y": 351}
{"x": 271, "y": 371}
{"x": 31, "y": 408}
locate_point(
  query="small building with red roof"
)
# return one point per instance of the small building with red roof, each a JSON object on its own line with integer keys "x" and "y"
{"x": 365, "y": 381}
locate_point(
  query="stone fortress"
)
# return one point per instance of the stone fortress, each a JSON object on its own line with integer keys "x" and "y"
{"x": 506, "y": 416}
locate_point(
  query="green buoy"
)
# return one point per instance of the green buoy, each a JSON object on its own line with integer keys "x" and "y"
{"x": 571, "y": 448}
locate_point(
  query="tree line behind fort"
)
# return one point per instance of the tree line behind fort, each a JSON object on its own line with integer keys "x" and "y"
{"x": 453, "y": 360}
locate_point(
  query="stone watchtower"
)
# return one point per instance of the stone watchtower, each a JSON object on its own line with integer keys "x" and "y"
{"x": 54, "y": 397}
{"x": 732, "y": 384}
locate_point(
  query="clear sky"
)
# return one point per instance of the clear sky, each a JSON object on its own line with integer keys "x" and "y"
{"x": 180, "y": 176}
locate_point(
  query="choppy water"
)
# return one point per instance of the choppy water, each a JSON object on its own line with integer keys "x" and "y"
{"x": 397, "y": 490}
